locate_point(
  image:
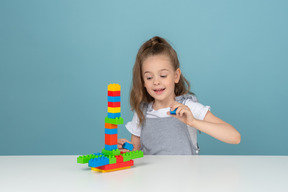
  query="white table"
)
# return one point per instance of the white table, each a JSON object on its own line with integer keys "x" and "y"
{"x": 150, "y": 173}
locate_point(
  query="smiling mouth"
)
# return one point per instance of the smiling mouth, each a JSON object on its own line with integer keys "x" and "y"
{"x": 159, "y": 91}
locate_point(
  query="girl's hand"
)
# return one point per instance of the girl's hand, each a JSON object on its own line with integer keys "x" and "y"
{"x": 120, "y": 143}
{"x": 183, "y": 113}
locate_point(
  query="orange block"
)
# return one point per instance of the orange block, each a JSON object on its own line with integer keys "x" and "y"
{"x": 105, "y": 171}
{"x": 111, "y": 139}
{"x": 110, "y": 126}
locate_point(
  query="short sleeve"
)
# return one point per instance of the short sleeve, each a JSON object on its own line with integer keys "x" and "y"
{"x": 198, "y": 110}
{"x": 133, "y": 125}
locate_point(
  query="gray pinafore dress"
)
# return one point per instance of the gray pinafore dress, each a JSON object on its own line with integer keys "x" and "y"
{"x": 168, "y": 135}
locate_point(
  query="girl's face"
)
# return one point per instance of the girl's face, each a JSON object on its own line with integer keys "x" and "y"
{"x": 160, "y": 78}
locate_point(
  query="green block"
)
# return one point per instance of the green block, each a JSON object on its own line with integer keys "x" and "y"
{"x": 127, "y": 156}
{"x": 85, "y": 158}
{"x": 132, "y": 155}
{"x": 116, "y": 121}
{"x": 112, "y": 159}
{"x": 137, "y": 154}
{"x": 111, "y": 153}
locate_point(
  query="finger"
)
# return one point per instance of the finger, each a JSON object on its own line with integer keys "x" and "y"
{"x": 179, "y": 110}
{"x": 175, "y": 105}
{"x": 120, "y": 141}
{"x": 182, "y": 112}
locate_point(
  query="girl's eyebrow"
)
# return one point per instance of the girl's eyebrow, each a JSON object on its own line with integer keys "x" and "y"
{"x": 159, "y": 70}
{"x": 164, "y": 70}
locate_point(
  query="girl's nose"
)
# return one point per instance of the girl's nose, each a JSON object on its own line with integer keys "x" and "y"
{"x": 156, "y": 81}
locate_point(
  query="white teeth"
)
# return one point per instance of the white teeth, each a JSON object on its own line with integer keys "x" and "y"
{"x": 159, "y": 89}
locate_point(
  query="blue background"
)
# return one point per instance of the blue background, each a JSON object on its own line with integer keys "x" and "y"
{"x": 57, "y": 58}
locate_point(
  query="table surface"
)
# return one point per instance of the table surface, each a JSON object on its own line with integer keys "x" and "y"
{"x": 150, "y": 173}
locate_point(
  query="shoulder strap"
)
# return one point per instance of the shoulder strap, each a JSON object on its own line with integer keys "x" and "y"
{"x": 192, "y": 131}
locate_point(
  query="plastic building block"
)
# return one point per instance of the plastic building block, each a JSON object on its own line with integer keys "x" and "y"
{"x": 116, "y": 121}
{"x": 111, "y": 131}
{"x": 116, "y": 165}
{"x": 105, "y": 171}
{"x": 114, "y": 104}
{"x": 111, "y": 139}
{"x": 114, "y": 115}
{"x": 173, "y": 112}
{"x": 114, "y": 87}
{"x": 114, "y": 93}
{"x": 128, "y": 146}
{"x": 111, "y": 147}
{"x": 127, "y": 156}
{"x": 110, "y": 126}
{"x": 137, "y": 154}
{"x": 100, "y": 161}
{"x": 112, "y": 159}
{"x": 132, "y": 155}
{"x": 114, "y": 99}
{"x": 113, "y": 152}
{"x": 85, "y": 158}
{"x": 119, "y": 158}
{"x": 114, "y": 109}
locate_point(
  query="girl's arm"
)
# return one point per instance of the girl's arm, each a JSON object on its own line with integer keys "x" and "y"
{"x": 135, "y": 140}
{"x": 211, "y": 124}
{"x": 217, "y": 128}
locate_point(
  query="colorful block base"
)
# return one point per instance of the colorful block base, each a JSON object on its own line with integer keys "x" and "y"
{"x": 116, "y": 165}
{"x": 105, "y": 171}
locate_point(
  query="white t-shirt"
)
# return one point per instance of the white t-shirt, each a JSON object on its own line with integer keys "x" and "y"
{"x": 198, "y": 110}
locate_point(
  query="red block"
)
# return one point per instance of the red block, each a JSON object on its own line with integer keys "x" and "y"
{"x": 117, "y": 165}
{"x": 110, "y": 139}
{"x": 114, "y": 104}
{"x": 119, "y": 159}
{"x": 114, "y": 93}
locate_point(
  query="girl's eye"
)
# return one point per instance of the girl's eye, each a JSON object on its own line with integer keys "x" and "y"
{"x": 163, "y": 76}
{"x": 148, "y": 78}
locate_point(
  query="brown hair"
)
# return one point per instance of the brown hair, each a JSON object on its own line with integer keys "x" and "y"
{"x": 139, "y": 94}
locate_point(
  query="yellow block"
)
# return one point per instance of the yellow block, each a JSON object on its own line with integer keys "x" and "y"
{"x": 114, "y": 109}
{"x": 114, "y": 87}
{"x": 105, "y": 171}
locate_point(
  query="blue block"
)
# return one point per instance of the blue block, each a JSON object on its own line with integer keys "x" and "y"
{"x": 173, "y": 112}
{"x": 97, "y": 162}
{"x": 114, "y": 99}
{"x": 110, "y": 147}
{"x": 98, "y": 154}
{"x": 128, "y": 146}
{"x": 111, "y": 131}
{"x": 113, "y": 115}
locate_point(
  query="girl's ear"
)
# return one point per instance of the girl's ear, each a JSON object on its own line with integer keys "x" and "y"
{"x": 177, "y": 75}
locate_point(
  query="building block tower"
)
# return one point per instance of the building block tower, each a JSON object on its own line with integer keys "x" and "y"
{"x": 111, "y": 159}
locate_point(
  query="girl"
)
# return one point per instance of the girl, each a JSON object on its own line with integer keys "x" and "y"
{"x": 158, "y": 86}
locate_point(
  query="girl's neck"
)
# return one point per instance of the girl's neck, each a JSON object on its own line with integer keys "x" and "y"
{"x": 162, "y": 104}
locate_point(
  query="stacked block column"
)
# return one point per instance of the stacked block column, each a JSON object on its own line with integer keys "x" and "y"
{"x": 114, "y": 117}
